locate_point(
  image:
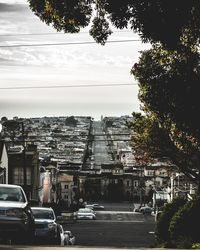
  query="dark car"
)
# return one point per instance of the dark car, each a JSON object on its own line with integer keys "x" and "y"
{"x": 16, "y": 218}
{"x": 146, "y": 210}
{"x": 46, "y": 227}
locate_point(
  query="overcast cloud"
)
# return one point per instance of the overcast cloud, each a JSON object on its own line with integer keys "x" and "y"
{"x": 62, "y": 65}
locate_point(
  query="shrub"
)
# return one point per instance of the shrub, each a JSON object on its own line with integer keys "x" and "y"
{"x": 162, "y": 233}
{"x": 196, "y": 246}
{"x": 185, "y": 222}
{"x": 183, "y": 243}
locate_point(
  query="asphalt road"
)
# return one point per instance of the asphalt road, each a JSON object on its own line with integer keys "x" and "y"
{"x": 115, "y": 229}
{"x": 100, "y": 149}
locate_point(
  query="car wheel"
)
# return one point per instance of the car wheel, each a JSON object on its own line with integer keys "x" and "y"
{"x": 57, "y": 239}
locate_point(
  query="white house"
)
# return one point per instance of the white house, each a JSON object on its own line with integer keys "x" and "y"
{"x": 3, "y": 163}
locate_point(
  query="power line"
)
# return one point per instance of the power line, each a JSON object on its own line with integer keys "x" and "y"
{"x": 60, "y": 33}
{"x": 66, "y": 43}
{"x": 70, "y": 140}
{"x": 68, "y": 86}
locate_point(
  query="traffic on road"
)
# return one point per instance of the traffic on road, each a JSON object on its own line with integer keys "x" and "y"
{"x": 108, "y": 224}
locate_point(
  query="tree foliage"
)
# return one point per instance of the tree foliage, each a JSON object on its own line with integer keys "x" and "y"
{"x": 162, "y": 232}
{"x": 185, "y": 222}
{"x": 149, "y": 140}
{"x": 71, "y": 121}
{"x": 170, "y": 22}
{"x": 169, "y": 87}
{"x": 68, "y": 16}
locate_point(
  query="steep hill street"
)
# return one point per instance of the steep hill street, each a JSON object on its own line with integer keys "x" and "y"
{"x": 101, "y": 155}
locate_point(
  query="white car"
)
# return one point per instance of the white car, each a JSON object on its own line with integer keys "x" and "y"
{"x": 97, "y": 207}
{"x": 64, "y": 238}
{"x": 16, "y": 217}
{"x": 84, "y": 214}
{"x": 87, "y": 210}
{"x": 89, "y": 206}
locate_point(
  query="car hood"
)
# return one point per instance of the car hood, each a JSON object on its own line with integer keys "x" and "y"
{"x": 12, "y": 204}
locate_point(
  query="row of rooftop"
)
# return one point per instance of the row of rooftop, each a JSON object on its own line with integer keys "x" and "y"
{"x": 62, "y": 147}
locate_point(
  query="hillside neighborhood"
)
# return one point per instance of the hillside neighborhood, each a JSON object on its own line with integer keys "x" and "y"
{"x": 72, "y": 160}
{"x": 99, "y": 134}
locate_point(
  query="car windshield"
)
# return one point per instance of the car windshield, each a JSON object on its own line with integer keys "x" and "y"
{"x": 11, "y": 194}
{"x": 43, "y": 214}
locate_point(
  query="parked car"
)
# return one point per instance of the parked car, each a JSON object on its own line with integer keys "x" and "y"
{"x": 45, "y": 224}
{"x": 16, "y": 217}
{"x": 64, "y": 239}
{"x": 85, "y": 214}
{"x": 89, "y": 206}
{"x": 70, "y": 236}
{"x": 146, "y": 210}
{"x": 87, "y": 210}
{"x": 136, "y": 209}
{"x": 97, "y": 207}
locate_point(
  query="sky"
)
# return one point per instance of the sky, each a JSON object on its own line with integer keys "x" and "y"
{"x": 71, "y": 65}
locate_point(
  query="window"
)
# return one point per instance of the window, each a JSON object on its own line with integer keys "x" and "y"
{"x": 127, "y": 183}
{"x": 150, "y": 172}
{"x": 28, "y": 176}
{"x": 18, "y": 176}
{"x": 66, "y": 186}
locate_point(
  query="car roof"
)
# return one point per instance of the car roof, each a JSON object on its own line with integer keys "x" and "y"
{"x": 10, "y": 185}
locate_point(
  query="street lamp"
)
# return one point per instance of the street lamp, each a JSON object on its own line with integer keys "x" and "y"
{"x": 13, "y": 125}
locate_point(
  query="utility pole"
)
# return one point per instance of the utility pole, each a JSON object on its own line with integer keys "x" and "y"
{"x": 24, "y": 159}
{"x": 172, "y": 188}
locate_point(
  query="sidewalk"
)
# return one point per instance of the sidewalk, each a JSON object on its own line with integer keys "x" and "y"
{"x": 4, "y": 247}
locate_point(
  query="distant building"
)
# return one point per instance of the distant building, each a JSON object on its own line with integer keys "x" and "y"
{"x": 67, "y": 189}
{"x": 16, "y": 163}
